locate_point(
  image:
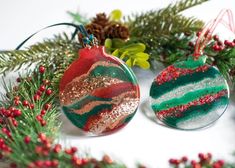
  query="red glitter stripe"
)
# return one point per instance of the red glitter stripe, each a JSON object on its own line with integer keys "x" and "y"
{"x": 87, "y": 57}
{"x": 178, "y": 110}
{"x": 114, "y": 90}
{"x": 172, "y": 73}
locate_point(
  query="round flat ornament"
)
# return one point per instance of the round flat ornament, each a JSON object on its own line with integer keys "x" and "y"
{"x": 98, "y": 92}
{"x": 189, "y": 94}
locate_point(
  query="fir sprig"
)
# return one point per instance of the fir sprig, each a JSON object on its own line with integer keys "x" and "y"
{"x": 52, "y": 52}
{"x": 29, "y": 126}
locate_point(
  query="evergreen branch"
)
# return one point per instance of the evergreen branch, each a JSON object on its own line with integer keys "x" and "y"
{"x": 51, "y": 52}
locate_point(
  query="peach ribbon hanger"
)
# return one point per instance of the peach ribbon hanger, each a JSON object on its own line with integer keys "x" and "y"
{"x": 206, "y": 34}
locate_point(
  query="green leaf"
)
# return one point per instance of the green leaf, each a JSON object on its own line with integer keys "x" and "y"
{"x": 116, "y": 15}
{"x": 134, "y": 48}
{"x": 124, "y": 54}
{"x": 142, "y": 63}
{"x": 142, "y": 55}
{"x": 118, "y": 43}
{"x": 129, "y": 62}
{"x": 108, "y": 43}
{"x": 116, "y": 52}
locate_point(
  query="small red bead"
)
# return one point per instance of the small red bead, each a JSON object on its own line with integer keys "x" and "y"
{"x": 27, "y": 139}
{"x": 57, "y": 148}
{"x": 216, "y": 37}
{"x": 47, "y": 163}
{"x": 39, "y": 163}
{"x": 42, "y": 88}
{"x": 18, "y": 80}
{"x": 39, "y": 93}
{"x": 184, "y": 159}
{"x": 54, "y": 163}
{"x": 198, "y": 33}
{"x": 25, "y": 103}
{"x": 43, "y": 112}
{"x": 68, "y": 151}
{"x": 42, "y": 69}
{"x": 36, "y": 97}
{"x": 221, "y": 162}
{"x": 39, "y": 118}
{"x": 48, "y": 92}
{"x": 216, "y": 47}
{"x": 13, "y": 165}
{"x": 43, "y": 123}
{"x": 17, "y": 113}
{"x": 16, "y": 102}
{"x": 226, "y": 42}
{"x": 31, "y": 106}
{"x": 46, "y": 82}
{"x": 193, "y": 162}
{"x": 47, "y": 106}
{"x": 42, "y": 137}
{"x": 74, "y": 149}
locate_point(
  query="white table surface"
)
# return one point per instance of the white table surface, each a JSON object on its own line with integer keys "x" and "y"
{"x": 142, "y": 140}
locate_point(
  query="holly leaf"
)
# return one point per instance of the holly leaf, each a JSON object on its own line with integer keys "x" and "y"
{"x": 116, "y": 52}
{"x": 129, "y": 62}
{"x": 133, "y": 48}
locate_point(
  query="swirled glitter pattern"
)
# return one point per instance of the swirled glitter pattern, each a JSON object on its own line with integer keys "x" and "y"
{"x": 189, "y": 94}
{"x": 98, "y": 92}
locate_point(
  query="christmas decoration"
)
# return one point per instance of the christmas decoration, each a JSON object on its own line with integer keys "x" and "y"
{"x": 98, "y": 92}
{"x": 29, "y": 115}
{"x": 191, "y": 94}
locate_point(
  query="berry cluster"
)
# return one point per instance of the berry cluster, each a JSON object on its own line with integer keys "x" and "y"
{"x": 205, "y": 160}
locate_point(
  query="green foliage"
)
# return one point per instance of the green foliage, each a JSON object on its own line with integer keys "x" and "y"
{"x": 116, "y": 15}
{"x": 132, "y": 53}
{"x": 78, "y": 18}
{"x": 157, "y": 28}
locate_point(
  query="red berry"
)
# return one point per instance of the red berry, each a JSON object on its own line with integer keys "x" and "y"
{"x": 25, "y": 103}
{"x": 7, "y": 113}
{"x": 42, "y": 88}
{"x": 216, "y": 47}
{"x": 184, "y": 159}
{"x": 47, "y": 163}
{"x": 216, "y": 37}
{"x": 57, "y": 148}
{"x": 27, "y": 139}
{"x": 198, "y": 33}
{"x": 18, "y": 80}
{"x": 39, "y": 118}
{"x": 13, "y": 165}
{"x": 220, "y": 43}
{"x": 42, "y": 69}
{"x": 36, "y": 97}
{"x": 16, "y": 102}
{"x": 17, "y": 113}
{"x": 221, "y": 162}
{"x": 54, "y": 163}
{"x": 43, "y": 123}
{"x": 43, "y": 112}
{"x": 39, "y": 93}
{"x": 42, "y": 136}
{"x": 47, "y": 106}
{"x": 31, "y": 106}
{"x": 74, "y": 149}
{"x": 68, "y": 151}
{"x": 48, "y": 92}
{"x": 193, "y": 162}
{"x": 39, "y": 163}
{"x": 226, "y": 42}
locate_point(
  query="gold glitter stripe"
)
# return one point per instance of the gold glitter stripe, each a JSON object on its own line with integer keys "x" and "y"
{"x": 115, "y": 100}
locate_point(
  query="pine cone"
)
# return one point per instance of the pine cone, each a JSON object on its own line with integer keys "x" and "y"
{"x": 101, "y": 19}
{"x": 97, "y": 31}
{"x": 116, "y": 30}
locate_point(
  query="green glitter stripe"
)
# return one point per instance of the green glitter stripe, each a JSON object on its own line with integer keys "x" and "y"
{"x": 158, "y": 90}
{"x": 85, "y": 100}
{"x": 196, "y": 111}
{"x": 191, "y": 63}
{"x": 188, "y": 97}
{"x": 80, "y": 120}
{"x": 114, "y": 72}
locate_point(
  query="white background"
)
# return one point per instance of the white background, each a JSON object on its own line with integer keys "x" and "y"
{"x": 142, "y": 140}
